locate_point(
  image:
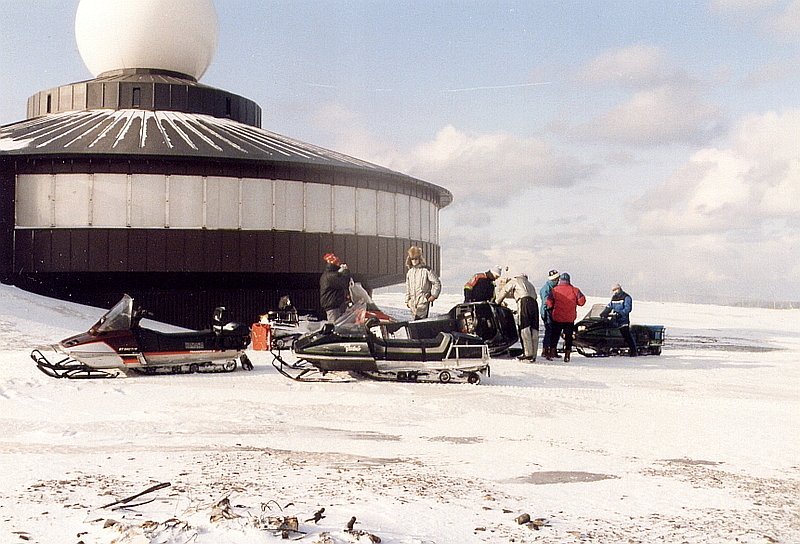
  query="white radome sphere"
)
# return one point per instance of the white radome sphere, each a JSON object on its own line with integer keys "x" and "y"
{"x": 175, "y": 35}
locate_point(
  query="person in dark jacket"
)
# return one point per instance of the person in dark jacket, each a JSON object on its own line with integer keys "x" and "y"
{"x": 481, "y": 286}
{"x": 619, "y": 311}
{"x": 549, "y": 342}
{"x": 334, "y": 287}
{"x": 564, "y": 300}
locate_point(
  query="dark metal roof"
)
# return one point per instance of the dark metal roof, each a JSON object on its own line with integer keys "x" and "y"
{"x": 169, "y": 134}
{"x": 145, "y": 75}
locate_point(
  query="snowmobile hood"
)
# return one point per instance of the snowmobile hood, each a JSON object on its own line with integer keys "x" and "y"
{"x": 87, "y": 338}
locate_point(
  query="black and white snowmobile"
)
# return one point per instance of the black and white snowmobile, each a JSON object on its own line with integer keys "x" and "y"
{"x": 597, "y": 336}
{"x": 117, "y": 343}
{"x": 365, "y": 342}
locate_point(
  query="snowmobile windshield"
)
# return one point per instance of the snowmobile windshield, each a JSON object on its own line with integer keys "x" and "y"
{"x": 359, "y": 297}
{"x": 596, "y": 311}
{"x": 117, "y": 318}
{"x": 351, "y": 323}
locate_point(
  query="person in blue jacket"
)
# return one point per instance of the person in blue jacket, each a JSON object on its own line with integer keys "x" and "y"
{"x": 549, "y": 343}
{"x": 619, "y": 311}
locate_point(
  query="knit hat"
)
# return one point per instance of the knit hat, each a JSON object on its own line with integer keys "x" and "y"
{"x": 496, "y": 271}
{"x": 330, "y": 258}
{"x": 564, "y": 277}
{"x": 616, "y": 287}
{"x": 553, "y": 275}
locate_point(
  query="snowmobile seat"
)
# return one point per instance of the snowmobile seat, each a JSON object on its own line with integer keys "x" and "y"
{"x": 430, "y": 327}
{"x": 407, "y": 349}
{"x": 150, "y": 341}
{"x": 427, "y": 343}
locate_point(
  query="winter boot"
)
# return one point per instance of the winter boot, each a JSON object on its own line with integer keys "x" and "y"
{"x": 566, "y": 356}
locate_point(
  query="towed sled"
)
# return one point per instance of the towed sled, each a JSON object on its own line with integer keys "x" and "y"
{"x": 596, "y": 335}
{"x": 287, "y": 325}
{"x": 117, "y": 344}
{"x": 366, "y": 342}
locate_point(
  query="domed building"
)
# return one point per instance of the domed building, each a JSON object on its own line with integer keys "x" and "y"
{"x": 145, "y": 181}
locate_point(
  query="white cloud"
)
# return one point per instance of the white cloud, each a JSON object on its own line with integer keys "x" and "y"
{"x": 776, "y": 18}
{"x": 724, "y": 183}
{"x": 754, "y": 181}
{"x": 657, "y": 116}
{"x": 490, "y": 168}
{"x": 771, "y": 72}
{"x": 636, "y": 66}
{"x": 783, "y": 200}
{"x": 481, "y": 169}
{"x": 785, "y": 24}
{"x": 351, "y": 133}
{"x": 665, "y": 105}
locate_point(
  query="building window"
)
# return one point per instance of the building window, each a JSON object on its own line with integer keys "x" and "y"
{"x": 137, "y": 97}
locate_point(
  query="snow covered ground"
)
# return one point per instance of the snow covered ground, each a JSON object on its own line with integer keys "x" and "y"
{"x": 701, "y": 444}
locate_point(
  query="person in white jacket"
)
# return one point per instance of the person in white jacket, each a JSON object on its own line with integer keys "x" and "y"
{"x": 422, "y": 284}
{"x": 524, "y": 293}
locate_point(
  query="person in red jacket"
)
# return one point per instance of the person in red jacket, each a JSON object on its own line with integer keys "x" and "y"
{"x": 564, "y": 300}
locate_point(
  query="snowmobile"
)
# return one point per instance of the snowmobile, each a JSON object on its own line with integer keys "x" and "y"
{"x": 493, "y": 323}
{"x": 287, "y": 324}
{"x": 597, "y": 336}
{"x": 366, "y": 342}
{"x": 117, "y": 344}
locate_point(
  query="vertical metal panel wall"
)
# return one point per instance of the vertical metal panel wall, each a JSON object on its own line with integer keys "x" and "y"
{"x": 139, "y": 91}
{"x": 180, "y": 273}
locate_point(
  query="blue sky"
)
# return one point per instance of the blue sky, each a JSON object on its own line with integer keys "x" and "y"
{"x": 650, "y": 143}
